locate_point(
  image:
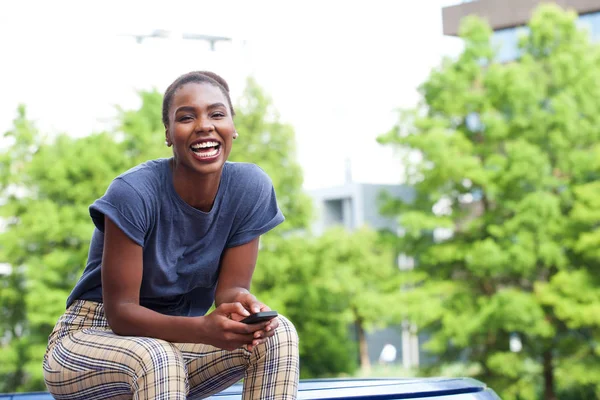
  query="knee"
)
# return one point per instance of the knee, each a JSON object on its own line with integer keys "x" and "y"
{"x": 285, "y": 336}
{"x": 155, "y": 354}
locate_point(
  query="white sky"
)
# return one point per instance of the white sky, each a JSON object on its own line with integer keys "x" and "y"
{"x": 336, "y": 70}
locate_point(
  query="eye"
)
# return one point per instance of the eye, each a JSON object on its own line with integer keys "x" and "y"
{"x": 218, "y": 114}
{"x": 184, "y": 118}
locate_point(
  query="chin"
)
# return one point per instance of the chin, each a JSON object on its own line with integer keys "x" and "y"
{"x": 206, "y": 166}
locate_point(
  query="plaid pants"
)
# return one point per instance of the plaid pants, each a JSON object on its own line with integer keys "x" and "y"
{"x": 85, "y": 360}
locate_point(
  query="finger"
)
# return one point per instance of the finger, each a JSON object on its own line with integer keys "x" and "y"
{"x": 272, "y": 325}
{"x": 255, "y": 306}
{"x": 233, "y": 308}
{"x": 250, "y": 303}
{"x": 245, "y": 329}
{"x": 241, "y": 339}
{"x": 267, "y": 332}
{"x": 258, "y": 342}
{"x": 262, "y": 334}
{"x": 268, "y": 328}
{"x": 259, "y": 334}
{"x": 254, "y": 328}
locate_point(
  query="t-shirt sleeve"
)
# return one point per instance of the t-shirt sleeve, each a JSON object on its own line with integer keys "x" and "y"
{"x": 125, "y": 207}
{"x": 259, "y": 212}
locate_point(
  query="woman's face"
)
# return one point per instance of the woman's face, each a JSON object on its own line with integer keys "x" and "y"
{"x": 200, "y": 127}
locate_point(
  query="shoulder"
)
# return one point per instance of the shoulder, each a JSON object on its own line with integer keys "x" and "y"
{"x": 253, "y": 197}
{"x": 145, "y": 179}
{"x": 149, "y": 171}
{"x": 140, "y": 186}
{"x": 247, "y": 175}
{"x": 249, "y": 186}
{"x": 131, "y": 199}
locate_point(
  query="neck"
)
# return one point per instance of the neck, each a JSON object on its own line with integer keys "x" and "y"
{"x": 196, "y": 190}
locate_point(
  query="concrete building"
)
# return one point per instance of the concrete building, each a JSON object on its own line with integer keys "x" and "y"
{"x": 353, "y": 205}
{"x": 508, "y": 19}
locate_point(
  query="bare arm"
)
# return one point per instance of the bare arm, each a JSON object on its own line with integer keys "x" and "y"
{"x": 121, "y": 282}
{"x": 235, "y": 277}
{"x": 237, "y": 267}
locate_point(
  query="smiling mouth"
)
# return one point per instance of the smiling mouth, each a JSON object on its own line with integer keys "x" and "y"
{"x": 206, "y": 149}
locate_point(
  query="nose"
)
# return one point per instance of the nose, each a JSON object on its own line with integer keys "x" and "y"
{"x": 204, "y": 124}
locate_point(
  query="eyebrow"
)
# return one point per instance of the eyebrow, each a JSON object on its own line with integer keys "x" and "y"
{"x": 190, "y": 108}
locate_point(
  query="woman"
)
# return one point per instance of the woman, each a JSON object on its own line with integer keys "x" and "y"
{"x": 172, "y": 236}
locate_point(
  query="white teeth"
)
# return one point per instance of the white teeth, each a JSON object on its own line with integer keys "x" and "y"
{"x": 211, "y": 153}
{"x": 204, "y": 145}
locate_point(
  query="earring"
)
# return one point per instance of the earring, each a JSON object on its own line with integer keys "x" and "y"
{"x": 167, "y": 143}
{"x": 235, "y": 135}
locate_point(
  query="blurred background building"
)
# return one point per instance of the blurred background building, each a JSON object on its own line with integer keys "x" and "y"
{"x": 508, "y": 19}
{"x": 354, "y": 204}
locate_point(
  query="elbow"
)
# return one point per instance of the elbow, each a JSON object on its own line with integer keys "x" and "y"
{"x": 116, "y": 316}
{"x": 118, "y": 328}
{"x": 116, "y": 324}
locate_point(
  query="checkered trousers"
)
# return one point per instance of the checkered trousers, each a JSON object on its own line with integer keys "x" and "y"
{"x": 85, "y": 360}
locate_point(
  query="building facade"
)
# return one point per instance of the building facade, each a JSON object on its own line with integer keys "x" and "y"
{"x": 508, "y": 19}
{"x": 353, "y": 205}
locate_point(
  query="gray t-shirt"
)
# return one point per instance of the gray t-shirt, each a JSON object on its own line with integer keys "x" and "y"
{"x": 182, "y": 246}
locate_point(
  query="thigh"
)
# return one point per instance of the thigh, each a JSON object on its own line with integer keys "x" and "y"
{"x": 210, "y": 369}
{"x": 94, "y": 364}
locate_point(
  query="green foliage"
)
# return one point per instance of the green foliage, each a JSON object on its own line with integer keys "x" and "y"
{"x": 289, "y": 279}
{"x": 510, "y": 163}
{"x": 325, "y": 286}
{"x": 48, "y": 186}
{"x": 360, "y": 268}
{"x": 142, "y": 130}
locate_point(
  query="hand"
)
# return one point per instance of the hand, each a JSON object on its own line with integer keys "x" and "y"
{"x": 250, "y": 303}
{"x": 222, "y": 328}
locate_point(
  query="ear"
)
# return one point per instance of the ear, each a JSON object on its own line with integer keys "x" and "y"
{"x": 167, "y": 138}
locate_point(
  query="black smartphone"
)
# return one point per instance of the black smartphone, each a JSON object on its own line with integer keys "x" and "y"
{"x": 259, "y": 317}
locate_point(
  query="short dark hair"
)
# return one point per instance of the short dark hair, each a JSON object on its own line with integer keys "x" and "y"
{"x": 194, "y": 77}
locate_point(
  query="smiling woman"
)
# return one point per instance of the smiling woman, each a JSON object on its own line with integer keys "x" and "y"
{"x": 173, "y": 236}
{"x": 198, "y": 118}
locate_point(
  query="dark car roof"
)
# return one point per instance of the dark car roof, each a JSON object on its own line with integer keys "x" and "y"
{"x": 363, "y": 389}
{"x": 357, "y": 389}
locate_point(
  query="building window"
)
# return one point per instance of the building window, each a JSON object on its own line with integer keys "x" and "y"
{"x": 591, "y": 22}
{"x": 334, "y": 212}
{"x": 506, "y": 43}
{"x": 338, "y": 212}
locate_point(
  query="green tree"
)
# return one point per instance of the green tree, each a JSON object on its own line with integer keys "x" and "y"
{"x": 509, "y": 165}
{"x": 290, "y": 279}
{"x": 334, "y": 287}
{"x": 47, "y": 187}
{"x": 14, "y": 341}
{"x": 142, "y": 130}
{"x": 360, "y": 270}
